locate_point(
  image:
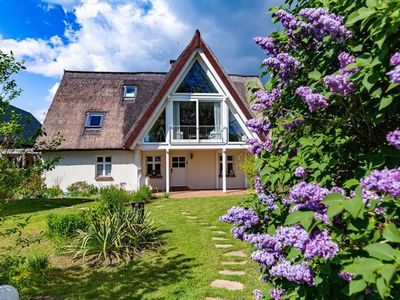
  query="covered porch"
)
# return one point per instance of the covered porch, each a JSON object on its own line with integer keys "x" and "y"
{"x": 185, "y": 170}
{"x": 205, "y": 193}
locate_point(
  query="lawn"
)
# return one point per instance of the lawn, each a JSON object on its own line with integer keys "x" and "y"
{"x": 182, "y": 269}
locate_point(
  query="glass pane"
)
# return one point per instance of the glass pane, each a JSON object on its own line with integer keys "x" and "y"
{"x": 157, "y": 167}
{"x": 157, "y": 132}
{"x": 149, "y": 169}
{"x": 100, "y": 159}
{"x": 108, "y": 169}
{"x": 108, "y": 159}
{"x": 130, "y": 91}
{"x": 99, "y": 170}
{"x": 157, "y": 158}
{"x": 196, "y": 81}
{"x": 95, "y": 121}
{"x": 182, "y": 165}
{"x": 182, "y": 158}
{"x": 230, "y": 158}
{"x": 229, "y": 170}
{"x": 236, "y": 133}
{"x": 175, "y": 159}
{"x": 149, "y": 158}
{"x": 175, "y": 164}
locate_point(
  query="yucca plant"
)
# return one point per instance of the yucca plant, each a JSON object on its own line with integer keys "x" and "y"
{"x": 114, "y": 237}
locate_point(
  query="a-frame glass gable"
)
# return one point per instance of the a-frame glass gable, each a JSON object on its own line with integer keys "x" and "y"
{"x": 157, "y": 131}
{"x": 196, "y": 81}
{"x": 236, "y": 132}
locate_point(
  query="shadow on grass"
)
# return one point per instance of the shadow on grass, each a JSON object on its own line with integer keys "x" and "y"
{"x": 14, "y": 207}
{"x": 135, "y": 280}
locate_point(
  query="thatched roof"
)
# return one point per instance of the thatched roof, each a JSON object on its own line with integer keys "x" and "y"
{"x": 81, "y": 92}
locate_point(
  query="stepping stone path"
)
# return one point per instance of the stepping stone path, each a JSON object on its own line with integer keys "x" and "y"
{"x": 192, "y": 217}
{"x": 219, "y": 232}
{"x": 229, "y": 272}
{"x": 236, "y": 253}
{"x": 215, "y": 238}
{"x": 227, "y": 284}
{"x": 223, "y": 245}
{"x": 159, "y": 206}
{"x": 228, "y": 263}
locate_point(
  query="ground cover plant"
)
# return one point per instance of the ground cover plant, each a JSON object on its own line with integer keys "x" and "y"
{"x": 324, "y": 223}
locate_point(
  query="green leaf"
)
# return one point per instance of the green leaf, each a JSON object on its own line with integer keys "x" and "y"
{"x": 334, "y": 201}
{"x": 371, "y": 3}
{"x": 359, "y": 15}
{"x": 382, "y": 287}
{"x": 386, "y": 101}
{"x": 391, "y": 233}
{"x": 304, "y": 218}
{"x": 316, "y": 75}
{"x": 387, "y": 272}
{"x": 357, "y": 286}
{"x": 381, "y": 251}
{"x": 351, "y": 183}
{"x": 354, "y": 206}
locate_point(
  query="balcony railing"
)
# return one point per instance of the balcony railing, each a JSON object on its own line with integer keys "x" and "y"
{"x": 189, "y": 133}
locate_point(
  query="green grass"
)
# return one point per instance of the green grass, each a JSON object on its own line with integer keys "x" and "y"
{"x": 182, "y": 269}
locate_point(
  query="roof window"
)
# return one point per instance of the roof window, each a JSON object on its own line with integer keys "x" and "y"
{"x": 130, "y": 92}
{"x": 94, "y": 120}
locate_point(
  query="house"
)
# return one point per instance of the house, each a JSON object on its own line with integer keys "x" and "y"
{"x": 20, "y": 146}
{"x": 180, "y": 129}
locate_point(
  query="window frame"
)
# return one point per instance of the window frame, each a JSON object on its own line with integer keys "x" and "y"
{"x": 228, "y": 161}
{"x": 130, "y": 96}
{"x": 90, "y": 114}
{"x": 104, "y": 163}
{"x": 153, "y": 163}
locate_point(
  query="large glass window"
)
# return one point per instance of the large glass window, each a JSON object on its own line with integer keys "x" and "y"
{"x": 209, "y": 120}
{"x": 103, "y": 166}
{"x": 230, "y": 167}
{"x": 236, "y": 133}
{"x": 184, "y": 120}
{"x": 153, "y": 166}
{"x": 196, "y": 81}
{"x": 157, "y": 132}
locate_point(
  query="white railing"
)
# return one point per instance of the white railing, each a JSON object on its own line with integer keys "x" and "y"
{"x": 192, "y": 133}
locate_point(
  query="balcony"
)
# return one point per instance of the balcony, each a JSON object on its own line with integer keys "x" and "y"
{"x": 197, "y": 134}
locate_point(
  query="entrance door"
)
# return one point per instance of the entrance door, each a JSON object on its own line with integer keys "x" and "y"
{"x": 178, "y": 171}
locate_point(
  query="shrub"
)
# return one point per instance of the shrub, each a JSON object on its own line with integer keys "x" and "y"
{"x": 248, "y": 167}
{"x": 82, "y": 189}
{"x": 115, "y": 236}
{"x": 113, "y": 198}
{"x": 51, "y": 192}
{"x": 166, "y": 195}
{"x": 22, "y": 272}
{"x": 143, "y": 194}
{"x": 66, "y": 225}
{"x": 31, "y": 185}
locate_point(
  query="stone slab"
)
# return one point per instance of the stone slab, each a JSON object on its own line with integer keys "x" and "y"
{"x": 231, "y": 263}
{"x": 227, "y": 284}
{"x": 219, "y": 232}
{"x": 236, "y": 253}
{"x": 233, "y": 273}
{"x": 212, "y": 227}
{"x": 216, "y": 238}
{"x": 223, "y": 245}
{"x": 192, "y": 217}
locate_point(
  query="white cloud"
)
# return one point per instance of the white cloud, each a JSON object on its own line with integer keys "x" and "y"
{"x": 123, "y": 37}
{"x": 52, "y": 91}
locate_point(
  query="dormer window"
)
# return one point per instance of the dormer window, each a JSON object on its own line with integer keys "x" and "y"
{"x": 94, "y": 120}
{"x": 130, "y": 92}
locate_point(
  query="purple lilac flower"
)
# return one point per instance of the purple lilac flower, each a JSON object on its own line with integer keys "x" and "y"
{"x": 393, "y": 138}
{"x": 264, "y": 257}
{"x": 313, "y": 100}
{"x": 320, "y": 244}
{"x": 323, "y": 23}
{"x": 267, "y": 44}
{"x": 257, "y": 295}
{"x": 345, "y": 59}
{"x": 300, "y": 172}
{"x": 380, "y": 211}
{"x": 240, "y": 216}
{"x": 269, "y": 200}
{"x": 263, "y": 241}
{"x": 338, "y": 189}
{"x": 292, "y": 236}
{"x": 394, "y": 75}
{"x": 257, "y": 185}
{"x": 385, "y": 181}
{"x": 256, "y": 146}
{"x": 238, "y": 232}
{"x": 299, "y": 273}
{"x": 340, "y": 84}
{"x": 258, "y": 126}
{"x": 293, "y": 125}
{"x": 276, "y": 293}
{"x": 287, "y": 19}
{"x": 346, "y": 276}
{"x": 395, "y": 59}
{"x": 284, "y": 64}
{"x": 265, "y": 99}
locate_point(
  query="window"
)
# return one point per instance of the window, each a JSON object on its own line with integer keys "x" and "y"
{"x": 130, "y": 92}
{"x": 179, "y": 162}
{"x": 157, "y": 132}
{"x": 153, "y": 166}
{"x": 230, "y": 167}
{"x": 94, "y": 120}
{"x": 236, "y": 133}
{"x": 196, "y": 81}
{"x": 103, "y": 166}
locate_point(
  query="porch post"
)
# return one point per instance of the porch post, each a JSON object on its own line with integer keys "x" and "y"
{"x": 224, "y": 170}
{"x": 138, "y": 163}
{"x": 167, "y": 169}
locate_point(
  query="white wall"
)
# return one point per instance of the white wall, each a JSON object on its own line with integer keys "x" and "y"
{"x": 81, "y": 166}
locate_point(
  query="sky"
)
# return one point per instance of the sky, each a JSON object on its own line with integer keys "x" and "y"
{"x": 123, "y": 35}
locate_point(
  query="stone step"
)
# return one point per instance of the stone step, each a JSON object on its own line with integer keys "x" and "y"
{"x": 192, "y": 217}
{"x": 213, "y": 298}
{"x": 223, "y": 245}
{"x": 236, "y": 253}
{"x": 227, "y": 284}
{"x": 229, "y": 272}
{"x": 231, "y": 263}
{"x": 219, "y": 232}
{"x": 219, "y": 238}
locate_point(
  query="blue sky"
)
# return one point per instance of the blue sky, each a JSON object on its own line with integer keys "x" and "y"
{"x": 122, "y": 35}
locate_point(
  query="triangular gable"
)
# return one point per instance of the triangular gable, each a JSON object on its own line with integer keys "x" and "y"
{"x": 196, "y": 81}
{"x": 196, "y": 42}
